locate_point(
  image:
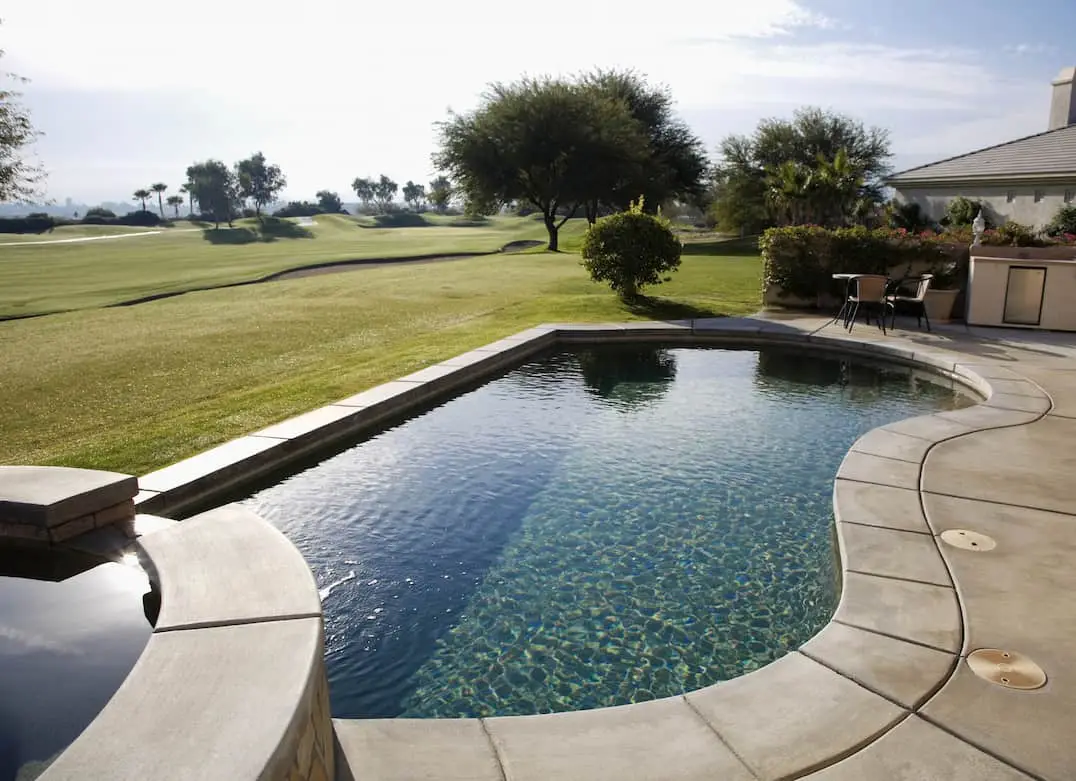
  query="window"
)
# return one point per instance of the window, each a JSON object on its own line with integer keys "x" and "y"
{"x": 1010, "y": 196}
{"x": 1069, "y": 194}
{"x": 1039, "y": 195}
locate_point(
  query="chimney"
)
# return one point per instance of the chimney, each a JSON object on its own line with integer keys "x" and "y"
{"x": 1063, "y": 104}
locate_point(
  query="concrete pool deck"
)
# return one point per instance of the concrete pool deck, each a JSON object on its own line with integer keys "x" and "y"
{"x": 885, "y": 691}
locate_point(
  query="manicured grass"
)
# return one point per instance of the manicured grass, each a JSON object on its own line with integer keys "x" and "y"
{"x": 63, "y": 277}
{"x": 135, "y": 388}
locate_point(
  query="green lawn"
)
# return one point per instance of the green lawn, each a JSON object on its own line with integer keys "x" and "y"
{"x": 63, "y": 277}
{"x": 135, "y": 388}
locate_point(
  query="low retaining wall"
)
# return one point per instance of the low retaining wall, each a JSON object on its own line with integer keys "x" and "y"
{"x": 232, "y": 682}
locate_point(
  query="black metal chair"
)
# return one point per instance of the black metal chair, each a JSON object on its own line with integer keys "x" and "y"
{"x": 916, "y": 302}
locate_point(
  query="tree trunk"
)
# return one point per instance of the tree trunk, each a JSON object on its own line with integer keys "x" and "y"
{"x": 553, "y": 229}
{"x": 160, "y": 205}
{"x": 190, "y": 203}
{"x": 592, "y": 211}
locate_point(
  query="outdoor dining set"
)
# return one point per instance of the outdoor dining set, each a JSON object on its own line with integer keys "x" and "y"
{"x": 877, "y": 294}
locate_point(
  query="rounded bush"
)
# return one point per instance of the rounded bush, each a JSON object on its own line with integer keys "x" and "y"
{"x": 1064, "y": 222}
{"x": 629, "y": 250}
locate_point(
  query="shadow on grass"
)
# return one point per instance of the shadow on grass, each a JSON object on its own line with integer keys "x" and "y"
{"x": 269, "y": 230}
{"x": 667, "y": 309}
{"x": 725, "y": 247}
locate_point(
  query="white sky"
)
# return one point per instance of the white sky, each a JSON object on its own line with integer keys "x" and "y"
{"x": 129, "y": 93}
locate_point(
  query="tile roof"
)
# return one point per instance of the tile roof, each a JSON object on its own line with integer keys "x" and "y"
{"x": 1049, "y": 153}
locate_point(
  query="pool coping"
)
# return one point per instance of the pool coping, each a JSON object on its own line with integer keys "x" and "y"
{"x": 897, "y": 638}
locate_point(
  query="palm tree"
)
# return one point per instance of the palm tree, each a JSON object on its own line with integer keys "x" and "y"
{"x": 159, "y": 188}
{"x": 175, "y": 201}
{"x": 142, "y": 195}
{"x": 188, "y": 188}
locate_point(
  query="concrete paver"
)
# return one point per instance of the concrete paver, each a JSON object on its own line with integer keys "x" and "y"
{"x": 410, "y": 749}
{"x": 916, "y": 750}
{"x": 631, "y": 743}
{"x": 793, "y": 715}
{"x": 903, "y": 672}
{"x": 919, "y": 612}
{"x": 228, "y": 566}
{"x": 893, "y": 554}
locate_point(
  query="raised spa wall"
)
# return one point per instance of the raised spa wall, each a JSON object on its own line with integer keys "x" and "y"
{"x": 232, "y": 684}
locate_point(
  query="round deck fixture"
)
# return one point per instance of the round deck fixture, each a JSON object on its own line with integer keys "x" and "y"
{"x": 968, "y": 540}
{"x": 1010, "y": 669}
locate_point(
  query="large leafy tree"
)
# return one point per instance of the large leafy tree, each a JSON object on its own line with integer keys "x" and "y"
{"x": 440, "y": 193}
{"x": 215, "y": 188}
{"x": 19, "y": 179}
{"x": 142, "y": 194}
{"x": 258, "y": 181}
{"x": 675, "y": 165}
{"x": 384, "y": 191}
{"x": 816, "y": 167}
{"x": 329, "y": 202}
{"x": 159, "y": 188}
{"x": 545, "y": 142}
{"x": 364, "y": 189}
{"x": 413, "y": 195}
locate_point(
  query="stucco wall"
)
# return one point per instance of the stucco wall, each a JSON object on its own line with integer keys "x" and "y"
{"x": 1022, "y": 209}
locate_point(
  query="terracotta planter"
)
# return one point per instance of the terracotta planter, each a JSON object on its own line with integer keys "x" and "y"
{"x": 939, "y": 305}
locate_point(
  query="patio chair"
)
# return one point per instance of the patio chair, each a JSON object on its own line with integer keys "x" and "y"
{"x": 916, "y": 302}
{"x": 870, "y": 294}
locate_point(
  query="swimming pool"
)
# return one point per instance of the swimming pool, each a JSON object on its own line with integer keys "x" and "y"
{"x": 597, "y": 527}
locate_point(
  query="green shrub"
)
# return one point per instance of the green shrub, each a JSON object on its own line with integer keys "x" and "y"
{"x": 962, "y": 211}
{"x": 629, "y": 250}
{"x": 1017, "y": 235}
{"x": 1064, "y": 222}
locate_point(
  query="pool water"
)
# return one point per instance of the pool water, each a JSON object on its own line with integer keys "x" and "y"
{"x": 71, "y": 629}
{"x": 598, "y": 527}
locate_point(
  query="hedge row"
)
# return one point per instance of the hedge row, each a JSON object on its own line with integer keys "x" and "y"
{"x": 41, "y": 222}
{"x": 802, "y": 260}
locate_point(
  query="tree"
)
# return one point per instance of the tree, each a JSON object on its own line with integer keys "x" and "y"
{"x": 675, "y": 165}
{"x": 175, "y": 201}
{"x": 545, "y": 142}
{"x": 215, "y": 188}
{"x": 384, "y": 191}
{"x": 258, "y": 181}
{"x": 142, "y": 195}
{"x": 817, "y": 163}
{"x": 329, "y": 202}
{"x": 19, "y": 179}
{"x": 629, "y": 250}
{"x": 189, "y": 191}
{"x": 364, "y": 189}
{"x": 159, "y": 188}
{"x": 440, "y": 193}
{"x": 413, "y": 195}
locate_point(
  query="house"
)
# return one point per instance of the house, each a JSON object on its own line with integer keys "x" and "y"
{"x": 1026, "y": 180}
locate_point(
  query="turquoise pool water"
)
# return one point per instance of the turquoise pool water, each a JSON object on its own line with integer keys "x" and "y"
{"x": 598, "y": 527}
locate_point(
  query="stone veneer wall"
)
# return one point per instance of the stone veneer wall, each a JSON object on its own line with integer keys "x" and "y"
{"x": 313, "y": 759}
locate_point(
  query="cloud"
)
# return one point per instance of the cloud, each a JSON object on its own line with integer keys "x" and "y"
{"x": 1030, "y": 48}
